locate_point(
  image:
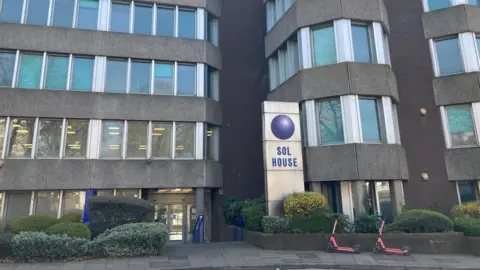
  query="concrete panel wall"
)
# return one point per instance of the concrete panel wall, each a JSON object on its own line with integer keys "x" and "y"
{"x": 462, "y": 163}
{"x": 449, "y": 21}
{"x": 456, "y": 89}
{"x": 338, "y": 79}
{"x": 87, "y": 105}
{"x": 67, "y": 40}
{"x": 212, "y": 6}
{"x": 106, "y": 174}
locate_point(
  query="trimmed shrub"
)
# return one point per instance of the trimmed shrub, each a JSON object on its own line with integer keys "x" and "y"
{"x": 252, "y": 217}
{"x": 467, "y": 210}
{"x": 232, "y": 208}
{"x": 73, "y": 229}
{"x": 71, "y": 217}
{"x": 33, "y": 246}
{"x": 6, "y": 245}
{"x": 303, "y": 203}
{"x": 320, "y": 220}
{"x": 276, "y": 225}
{"x": 106, "y": 212}
{"x": 131, "y": 240}
{"x": 421, "y": 221}
{"x": 366, "y": 224}
{"x": 34, "y": 223}
{"x": 470, "y": 227}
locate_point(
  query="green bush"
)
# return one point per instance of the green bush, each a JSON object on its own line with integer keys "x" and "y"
{"x": 232, "y": 208}
{"x": 6, "y": 245}
{"x": 421, "y": 221}
{"x": 276, "y": 225}
{"x": 320, "y": 220}
{"x": 106, "y": 212}
{"x": 34, "y": 223}
{"x": 73, "y": 229}
{"x": 470, "y": 227}
{"x": 33, "y": 246}
{"x": 71, "y": 217}
{"x": 467, "y": 210}
{"x": 252, "y": 217}
{"x": 5, "y": 226}
{"x": 131, "y": 240}
{"x": 303, "y": 203}
{"x": 366, "y": 224}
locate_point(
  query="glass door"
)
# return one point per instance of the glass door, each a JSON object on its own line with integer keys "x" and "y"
{"x": 172, "y": 216}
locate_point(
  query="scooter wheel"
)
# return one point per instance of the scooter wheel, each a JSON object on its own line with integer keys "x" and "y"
{"x": 330, "y": 247}
{"x": 406, "y": 251}
{"x": 376, "y": 249}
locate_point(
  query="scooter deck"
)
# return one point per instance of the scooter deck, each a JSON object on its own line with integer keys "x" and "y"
{"x": 345, "y": 250}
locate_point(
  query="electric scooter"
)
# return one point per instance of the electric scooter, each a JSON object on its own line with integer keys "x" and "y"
{"x": 380, "y": 246}
{"x": 333, "y": 247}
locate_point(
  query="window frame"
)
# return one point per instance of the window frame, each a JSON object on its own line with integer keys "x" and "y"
{"x": 15, "y": 65}
{"x": 174, "y": 133}
{"x": 10, "y": 130}
{"x": 312, "y": 42}
{"x": 162, "y": 6}
{"x": 380, "y": 119}
{"x": 177, "y": 21}
{"x": 436, "y": 62}
{"x": 153, "y": 16}
{"x": 77, "y": 12}
{"x": 37, "y": 137}
{"x": 446, "y": 126}
{"x": 317, "y": 122}
{"x": 476, "y": 191}
{"x": 63, "y": 148}
{"x": 371, "y": 41}
{"x": 195, "y": 90}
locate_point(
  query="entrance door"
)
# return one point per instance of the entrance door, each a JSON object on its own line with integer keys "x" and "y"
{"x": 172, "y": 215}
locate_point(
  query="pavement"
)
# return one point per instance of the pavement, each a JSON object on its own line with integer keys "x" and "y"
{"x": 240, "y": 255}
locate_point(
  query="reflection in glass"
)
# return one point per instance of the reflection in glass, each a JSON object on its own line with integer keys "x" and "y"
{"x": 186, "y": 80}
{"x": 184, "y": 140}
{"x": 361, "y": 44}
{"x": 112, "y": 134}
{"x": 63, "y": 13}
{"x": 57, "y": 70}
{"x": 82, "y": 74}
{"x": 7, "y": 63}
{"x": 448, "y": 56}
{"x": 143, "y": 20}
{"x": 47, "y": 203}
{"x": 120, "y": 18}
{"x": 384, "y": 199}
{"x": 468, "y": 191}
{"x": 325, "y": 52}
{"x": 137, "y": 139}
{"x": 116, "y": 76}
{"x": 77, "y": 137}
{"x": 211, "y": 144}
{"x": 11, "y": 11}
{"x": 460, "y": 124}
{"x": 474, "y": 2}
{"x": 73, "y": 202}
{"x": 370, "y": 122}
{"x": 165, "y": 22}
{"x": 330, "y": 121}
{"x": 21, "y": 137}
{"x": 105, "y": 192}
{"x": 30, "y": 70}
{"x": 3, "y": 123}
{"x": 87, "y": 14}
{"x": 49, "y": 137}
{"x": 140, "y": 78}
{"x": 163, "y": 84}
{"x": 161, "y": 140}
{"x": 18, "y": 204}
{"x": 127, "y": 192}
{"x": 37, "y": 11}
{"x": 212, "y": 83}
{"x": 186, "y": 24}
{"x": 212, "y": 30}
{"x": 439, "y": 4}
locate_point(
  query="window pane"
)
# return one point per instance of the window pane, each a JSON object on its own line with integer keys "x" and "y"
{"x": 140, "y": 78}
{"x": 212, "y": 30}
{"x": 18, "y": 204}
{"x": 384, "y": 199}
{"x": 325, "y": 52}
{"x": 49, "y": 137}
{"x": 105, "y": 192}
{"x": 438, "y": 4}
{"x": 467, "y": 190}
{"x": 57, "y": 70}
{"x": 165, "y": 22}
{"x": 120, "y": 18}
{"x": 448, "y": 56}
{"x": 11, "y": 11}
{"x": 63, "y": 13}
{"x": 460, "y": 124}
{"x": 87, "y": 14}
{"x": 163, "y": 84}
{"x": 186, "y": 24}
{"x": 186, "y": 80}
{"x": 161, "y": 140}
{"x": 3, "y": 123}
{"x": 370, "y": 121}
{"x": 73, "y": 202}
{"x": 127, "y": 192}
{"x": 47, "y": 203}
{"x": 184, "y": 140}
{"x": 21, "y": 137}
{"x": 212, "y": 83}
{"x": 137, "y": 139}
{"x": 211, "y": 146}
{"x": 30, "y": 70}
{"x": 82, "y": 74}
{"x": 77, "y": 137}
{"x": 7, "y": 63}
{"x": 143, "y": 20}
{"x": 116, "y": 76}
{"x": 330, "y": 121}
{"x": 112, "y": 135}
{"x": 361, "y": 44}
{"x": 37, "y": 11}
{"x": 474, "y": 2}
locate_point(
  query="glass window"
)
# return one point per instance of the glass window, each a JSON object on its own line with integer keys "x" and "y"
{"x": 77, "y": 137}
{"x": 112, "y": 135}
{"x": 184, "y": 140}
{"x": 325, "y": 52}
{"x": 143, "y": 20}
{"x": 370, "y": 121}
{"x": 73, "y": 202}
{"x": 18, "y": 204}
{"x": 37, "y": 11}
{"x": 30, "y": 70}
{"x": 186, "y": 24}
{"x": 384, "y": 199}
{"x": 448, "y": 56}
{"x": 47, "y": 203}
{"x": 87, "y": 14}
{"x": 116, "y": 76}
{"x": 57, "y": 70}
{"x": 468, "y": 191}
{"x": 161, "y": 140}
{"x": 3, "y": 123}
{"x": 140, "y": 78}
{"x": 165, "y": 22}
{"x": 460, "y": 124}
{"x": 330, "y": 121}
{"x": 212, "y": 30}
{"x": 21, "y": 137}
{"x": 49, "y": 138}
{"x": 186, "y": 80}
{"x": 63, "y": 13}
{"x": 127, "y": 192}
{"x": 137, "y": 139}
{"x": 211, "y": 145}
{"x": 438, "y": 4}
{"x": 11, "y": 11}
{"x": 7, "y": 63}
{"x": 82, "y": 74}
{"x": 163, "y": 84}
{"x": 212, "y": 83}
{"x": 120, "y": 17}
{"x": 361, "y": 44}
{"x": 105, "y": 192}
{"x": 474, "y": 2}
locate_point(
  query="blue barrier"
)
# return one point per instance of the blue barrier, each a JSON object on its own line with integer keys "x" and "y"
{"x": 198, "y": 232}
{"x": 234, "y": 230}
{"x": 89, "y": 193}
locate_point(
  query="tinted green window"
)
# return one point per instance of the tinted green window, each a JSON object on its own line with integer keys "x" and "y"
{"x": 325, "y": 52}
{"x": 186, "y": 24}
{"x": 57, "y": 70}
{"x": 140, "y": 78}
{"x": 116, "y": 76}
{"x": 468, "y": 191}
{"x": 63, "y": 13}
{"x": 163, "y": 84}
{"x": 460, "y": 124}
{"x": 30, "y": 70}
{"x": 37, "y": 11}
{"x": 143, "y": 20}
{"x": 361, "y": 44}
{"x": 82, "y": 74}
{"x": 87, "y": 14}
{"x": 11, "y": 11}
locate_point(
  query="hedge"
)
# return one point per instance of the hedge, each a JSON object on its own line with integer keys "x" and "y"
{"x": 33, "y": 223}
{"x": 421, "y": 221}
{"x": 364, "y": 223}
{"x": 73, "y": 229}
{"x": 467, "y": 210}
{"x": 6, "y": 245}
{"x": 276, "y": 225}
{"x": 106, "y": 212}
{"x": 303, "y": 203}
{"x": 320, "y": 220}
{"x": 71, "y": 217}
{"x": 252, "y": 217}
{"x": 470, "y": 227}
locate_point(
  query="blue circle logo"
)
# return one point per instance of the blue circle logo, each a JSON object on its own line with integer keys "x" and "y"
{"x": 283, "y": 127}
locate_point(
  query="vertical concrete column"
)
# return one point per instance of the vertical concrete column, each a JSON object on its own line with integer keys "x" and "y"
{"x": 358, "y": 195}
{"x": 200, "y": 207}
{"x": 316, "y": 187}
{"x": 397, "y": 196}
